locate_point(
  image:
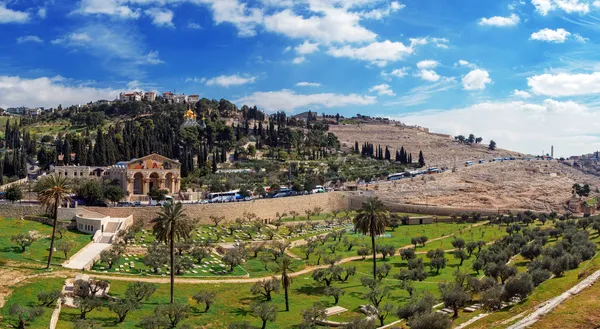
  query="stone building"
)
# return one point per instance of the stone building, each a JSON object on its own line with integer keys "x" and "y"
{"x": 136, "y": 177}
{"x": 139, "y": 176}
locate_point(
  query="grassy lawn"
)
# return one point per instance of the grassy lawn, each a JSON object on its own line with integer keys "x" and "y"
{"x": 210, "y": 267}
{"x": 399, "y": 237}
{"x": 26, "y": 295}
{"x": 234, "y": 300}
{"x": 37, "y": 252}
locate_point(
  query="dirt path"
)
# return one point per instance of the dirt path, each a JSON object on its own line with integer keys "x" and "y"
{"x": 306, "y": 270}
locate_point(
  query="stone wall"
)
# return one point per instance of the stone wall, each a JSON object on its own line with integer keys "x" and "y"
{"x": 18, "y": 210}
{"x": 263, "y": 208}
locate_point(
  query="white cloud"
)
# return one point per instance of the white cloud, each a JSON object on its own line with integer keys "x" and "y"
{"x": 521, "y": 126}
{"x": 299, "y": 60}
{"x": 521, "y": 93}
{"x": 331, "y": 26}
{"x": 569, "y": 6}
{"x": 47, "y": 92}
{"x": 421, "y": 94}
{"x": 194, "y": 26}
{"x": 500, "y": 21}
{"x": 383, "y": 12}
{"x": 119, "y": 48}
{"x": 379, "y": 53}
{"x": 289, "y": 100}
{"x": 564, "y": 84}
{"x": 438, "y": 42}
{"x": 476, "y": 80}
{"x": 579, "y": 38}
{"x": 230, "y": 80}
{"x": 307, "y": 48}
{"x": 160, "y": 17}
{"x": 195, "y": 80}
{"x": 308, "y": 84}
{"x": 427, "y": 64}
{"x": 398, "y": 73}
{"x": 29, "y": 38}
{"x": 42, "y": 12}
{"x": 12, "y": 16}
{"x": 429, "y": 75}
{"x": 382, "y": 90}
{"x": 462, "y": 62}
{"x": 106, "y": 7}
{"x": 245, "y": 19}
{"x": 556, "y": 36}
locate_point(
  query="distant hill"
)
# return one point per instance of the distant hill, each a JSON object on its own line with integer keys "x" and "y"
{"x": 440, "y": 150}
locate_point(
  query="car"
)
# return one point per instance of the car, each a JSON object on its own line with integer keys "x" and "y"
{"x": 137, "y": 204}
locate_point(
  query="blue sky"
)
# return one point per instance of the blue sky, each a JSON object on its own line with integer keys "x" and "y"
{"x": 524, "y": 73}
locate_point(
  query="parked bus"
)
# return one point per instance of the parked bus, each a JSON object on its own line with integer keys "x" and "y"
{"x": 229, "y": 196}
{"x": 319, "y": 189}
{"x": 396, "y": 176}
{"x": 433, "y": 170}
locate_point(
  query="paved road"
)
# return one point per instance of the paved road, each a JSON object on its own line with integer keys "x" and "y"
{"x": 86, "y": 255}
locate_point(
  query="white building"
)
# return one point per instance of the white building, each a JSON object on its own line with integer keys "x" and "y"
{"x": 193, "y": 99}
{"x": 180, "y": 99}
{"x": 167, "y": 95}
{"x": 150, "y": 96}
{"x": 132, "y": 96}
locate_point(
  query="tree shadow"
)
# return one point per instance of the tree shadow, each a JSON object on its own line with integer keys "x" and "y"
{"x": 311, "y": 290}
{"x": 16, "y": 250}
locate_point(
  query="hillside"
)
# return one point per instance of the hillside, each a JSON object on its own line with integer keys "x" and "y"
{"x": 439, "y": 150}
{"x": 537, "y": 185}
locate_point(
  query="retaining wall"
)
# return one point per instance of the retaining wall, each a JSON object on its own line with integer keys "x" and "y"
{"x": 263, "y": 208}
{"x": 18, "y": 210}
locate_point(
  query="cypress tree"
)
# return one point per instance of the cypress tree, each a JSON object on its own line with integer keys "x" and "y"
{"x": 421, "y": 159}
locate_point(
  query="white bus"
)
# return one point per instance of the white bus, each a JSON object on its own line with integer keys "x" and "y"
{"x": 396, "y": 176}
{"x": 228, "y": 196}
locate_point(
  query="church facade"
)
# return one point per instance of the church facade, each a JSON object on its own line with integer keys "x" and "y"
{"x": 139, "y": 176}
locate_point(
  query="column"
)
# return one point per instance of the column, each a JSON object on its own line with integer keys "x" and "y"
{"x": 146, "y": 187}
{"x": 161, "y": 183}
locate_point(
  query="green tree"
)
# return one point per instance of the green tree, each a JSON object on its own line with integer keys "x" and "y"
{"x": 65, "y": 246}
{"x": 158, "y": 195}
{"x": 23, "y": 240}
{"x": 24, "y": 315}
{"x": 170, "y": 225}
{"x": 90, "y": 191}
{"x": 13, "y": 193}
{"x": 206, "y": 297}
{"x": 284, "y": 266}
{"x": 140, "y": 290}
{"x": 52, "y": 192}
{"x": 265, "y": 287}
{"x": 122, "y": 307}
{"x": 113, "y": 193}
{"x": 265, "y": 311}
{"x": 492, "y": 146}
{"x": 372, "y": 219}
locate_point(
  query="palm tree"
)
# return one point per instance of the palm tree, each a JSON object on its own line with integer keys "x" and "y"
{"x": 372, "y": 219}
{"x": 52, "y": 192}
{"x": 284, "y": 264}
{"x": 170, "y": 225}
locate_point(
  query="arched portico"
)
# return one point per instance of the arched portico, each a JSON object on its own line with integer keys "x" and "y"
{"x": 138, "y": 183}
